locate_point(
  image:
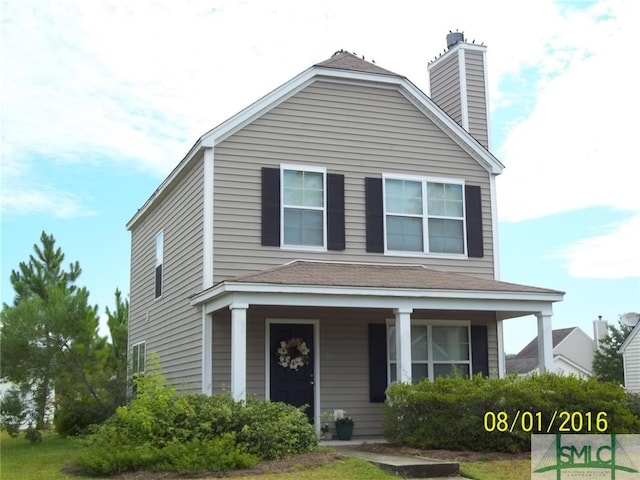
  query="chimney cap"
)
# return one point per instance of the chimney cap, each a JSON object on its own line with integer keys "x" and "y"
{"x": 453, "y": 38}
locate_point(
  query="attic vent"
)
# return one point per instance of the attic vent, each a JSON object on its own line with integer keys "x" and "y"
{"x": 453, "y": 38}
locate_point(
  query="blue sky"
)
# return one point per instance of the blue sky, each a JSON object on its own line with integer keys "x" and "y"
{"x": 100, "y": 100}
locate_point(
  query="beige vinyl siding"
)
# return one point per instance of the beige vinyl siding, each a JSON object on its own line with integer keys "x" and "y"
{"x": 356, "y": 130}
{"x": 578, "y": 348}
{"x": 169, "y": 324}
{"x": 476, "y": 96}
{"x": 445, "y": 87}
{"x": 344, "y": 357}
{"x": 632, "y": 365}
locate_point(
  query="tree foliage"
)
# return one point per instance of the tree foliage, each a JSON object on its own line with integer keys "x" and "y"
{"x": 607, "y": 362}
{"x": 49, "y": 341}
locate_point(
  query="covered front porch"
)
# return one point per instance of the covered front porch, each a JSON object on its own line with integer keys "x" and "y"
{"x": 364, "y": 326}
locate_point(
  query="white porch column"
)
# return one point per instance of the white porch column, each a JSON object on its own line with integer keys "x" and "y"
{"x": 545, "y": 342}
{"x": 239, "y": 351}
{"x": 207, "y": 352}
{"x": 403, "y": 344}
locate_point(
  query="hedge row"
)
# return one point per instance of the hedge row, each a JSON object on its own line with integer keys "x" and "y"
{"x": 490, "y": 414}
{"x": 163, "y": 430}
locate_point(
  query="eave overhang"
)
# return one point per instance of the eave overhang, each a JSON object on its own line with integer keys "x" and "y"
{"x": 505, "y": 304}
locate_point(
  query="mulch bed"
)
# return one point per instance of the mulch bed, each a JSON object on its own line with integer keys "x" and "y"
{"x": 304, "y": 461}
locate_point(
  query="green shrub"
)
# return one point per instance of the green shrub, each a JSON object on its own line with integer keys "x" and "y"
{"x": 162, "y": 429}
{"x": 213, "y": 455}
{"x": 13, "y": 409}
{"x": 455, "y": 413}
{"x": 275, "y": 430}
{"x": 74, "y": 416}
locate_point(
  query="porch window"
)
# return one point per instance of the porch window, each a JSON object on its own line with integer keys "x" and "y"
{"x": 303, "y": 207}
{"x": 436, "y": 350}
{"x": 138, "y": 357}
{"x": 424, "y": 215}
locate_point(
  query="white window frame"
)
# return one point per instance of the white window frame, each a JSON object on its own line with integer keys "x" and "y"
{"x": 430, "y": 360}
{"x": 136, "y": 358}
{"x": 425, "y": 215}
{"x": 159, "y": 261}
{"x": 312, "y": 169}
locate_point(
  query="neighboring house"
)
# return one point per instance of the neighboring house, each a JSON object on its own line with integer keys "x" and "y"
{"x": 572, "y": 354}
{"x": 344, "y": 210}
{"x": 630, "y": 351}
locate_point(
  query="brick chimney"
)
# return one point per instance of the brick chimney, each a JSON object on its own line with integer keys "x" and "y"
{"x": 458, "y": 82}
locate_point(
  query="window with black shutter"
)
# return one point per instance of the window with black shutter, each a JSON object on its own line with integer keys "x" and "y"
{"x": 303, "y": 207}
{"x": 417, "y": 215}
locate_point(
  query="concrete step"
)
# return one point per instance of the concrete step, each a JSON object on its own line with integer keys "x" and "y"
{"x": 407, "y": 466}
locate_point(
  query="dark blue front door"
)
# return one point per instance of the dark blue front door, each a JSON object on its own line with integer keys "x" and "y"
{"x": 291, "y": 380}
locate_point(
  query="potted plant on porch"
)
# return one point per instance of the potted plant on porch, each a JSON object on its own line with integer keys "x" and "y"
{"x": 344, "y": 427}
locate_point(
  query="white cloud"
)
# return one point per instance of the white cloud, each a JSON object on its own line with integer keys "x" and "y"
{"x": 136, "y": 83}
{"x": 575, "y": 149}
{"x": 45, "y": 200}
{"x": 611, "y": 255}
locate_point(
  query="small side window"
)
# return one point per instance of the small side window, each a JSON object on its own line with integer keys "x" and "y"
{"x": 159, "y": 264}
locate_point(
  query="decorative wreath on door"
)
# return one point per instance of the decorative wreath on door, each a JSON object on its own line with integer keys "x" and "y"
{"x": 293, "y": 353}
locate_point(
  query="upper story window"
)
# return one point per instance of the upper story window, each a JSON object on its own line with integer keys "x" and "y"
{"x": 436, "y": 350}
{"x": 424, "y": 215}
{"x": 304, "y": 219}
{"x": 159, "y": 264}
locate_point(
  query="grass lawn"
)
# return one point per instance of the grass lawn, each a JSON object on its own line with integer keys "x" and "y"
{"x": 497, "y": 469}
{"x": 22, "y": 460}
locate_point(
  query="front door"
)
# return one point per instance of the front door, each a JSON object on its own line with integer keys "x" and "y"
{"x": 291, "y": 367}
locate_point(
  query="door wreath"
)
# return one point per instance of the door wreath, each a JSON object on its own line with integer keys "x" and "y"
{"x": 293, "y": 354}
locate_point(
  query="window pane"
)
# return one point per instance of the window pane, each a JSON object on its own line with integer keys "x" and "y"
{"x": 403, "y": 196}
{"x": 303, "y": 189}
{"x": 419, "y": 371}
{"x": 404, "y": 233}
{"x": 444, "y": 199}
{"x": 419, "y": 343}
{"x": 393, "y": 373}
{"x": 448, "y": 369}
{"x": 450, "y": 343}
{"x": 303, "y": 227}
{"x": 446, "y": 236}
{"x": 159, "y": 248}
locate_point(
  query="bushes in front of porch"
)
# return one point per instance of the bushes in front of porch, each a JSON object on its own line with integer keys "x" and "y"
{"x": 490, "y": 414}
{"x": 164, "y": 430}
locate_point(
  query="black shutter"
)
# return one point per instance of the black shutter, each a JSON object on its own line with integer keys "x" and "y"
{"x": 473, "y": 207}
{"x": 271, "y": 207}
{"x": 335, "y": 212}
{"x": 374, "y": 214}
{"x": 377, "y": 362}
{"x": 479, "y": 350}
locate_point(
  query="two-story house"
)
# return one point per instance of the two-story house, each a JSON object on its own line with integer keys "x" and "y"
{"x": 335, "y": 236}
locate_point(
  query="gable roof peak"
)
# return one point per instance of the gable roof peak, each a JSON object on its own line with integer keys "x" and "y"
{"x": 344, "y": 60}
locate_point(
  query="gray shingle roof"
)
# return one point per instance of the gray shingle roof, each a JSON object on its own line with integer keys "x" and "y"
{"x": 304, "y": 272}
{"x": 348, "y": 61}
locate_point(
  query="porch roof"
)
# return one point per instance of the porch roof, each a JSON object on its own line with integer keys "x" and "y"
{"x": 322, "y": 273}
{"x": 341, "y": 284}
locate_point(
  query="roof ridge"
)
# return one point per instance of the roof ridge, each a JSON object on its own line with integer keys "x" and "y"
{"x": 345, "y": 60}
